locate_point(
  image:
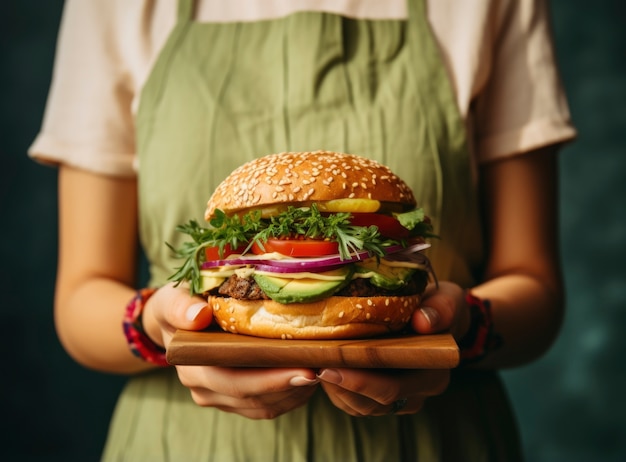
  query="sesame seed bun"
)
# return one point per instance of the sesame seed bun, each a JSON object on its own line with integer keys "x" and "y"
{"x": 333, "y": 317}
{"x": 306, "y": 177}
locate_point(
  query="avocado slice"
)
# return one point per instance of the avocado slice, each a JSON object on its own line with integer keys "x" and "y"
{"x": 384, "y": 276}
{"x": 289, "y": 290}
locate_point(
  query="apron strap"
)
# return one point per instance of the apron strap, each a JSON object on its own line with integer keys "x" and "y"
{"x": 447, "y": 128}
{"x": 185, "y": 11}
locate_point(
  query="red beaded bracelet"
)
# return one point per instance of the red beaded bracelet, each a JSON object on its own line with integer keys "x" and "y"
{"x": 138, "y": 341}
{"x": 480, "y": 339}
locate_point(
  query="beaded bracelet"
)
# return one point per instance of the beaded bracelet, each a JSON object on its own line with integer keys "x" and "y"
{"x": 138, "y": 341}
{"x": 480, "y": 339}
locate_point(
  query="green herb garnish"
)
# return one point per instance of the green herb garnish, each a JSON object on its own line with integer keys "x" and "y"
{"x": 296, "y": 222}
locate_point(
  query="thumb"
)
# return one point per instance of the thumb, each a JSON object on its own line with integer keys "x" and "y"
{"x": 438, "y": 310}
{"x": 197, "y": 316}
{"x": 175, "y": 308}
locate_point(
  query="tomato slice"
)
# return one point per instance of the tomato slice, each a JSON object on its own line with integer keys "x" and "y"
{"x": 297, "y": 247}
{"x": 387, "y": 226}
{"x": 213, "y": 253}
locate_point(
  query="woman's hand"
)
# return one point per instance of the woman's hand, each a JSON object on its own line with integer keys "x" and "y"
{"x": 362, "y": 392}
{"x": 253, "y": 393}
{"x": 443, "y": 309}
{"x": 369, "y": 392}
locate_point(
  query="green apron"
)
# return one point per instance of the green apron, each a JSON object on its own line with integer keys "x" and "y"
{"x": 222, "y": 94}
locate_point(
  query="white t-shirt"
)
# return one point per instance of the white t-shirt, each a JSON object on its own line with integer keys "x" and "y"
{"x": 499, "y": 54}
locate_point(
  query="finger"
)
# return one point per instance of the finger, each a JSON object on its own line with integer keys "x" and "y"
{"x": 255, "y": 393}
{"x": 387, "y": 386}
{"x": 438, "y": 309}
{"x": 361, "y": 406}
{"x": 280, "y": 404}
{"x": 353, "y": 404}
{"x": 244, "y": 383}
{"x": 181, "y": 310}
{"x": 364, "y": 392}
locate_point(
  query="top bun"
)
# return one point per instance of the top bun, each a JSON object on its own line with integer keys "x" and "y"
{"x": 306, "y": 177}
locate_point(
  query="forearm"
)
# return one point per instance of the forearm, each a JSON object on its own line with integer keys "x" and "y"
{"x": 527, "y": 313}
{"x": 89, "y": 324}
{"x": 523, "y": 276}
{"x": 97, "y": 268}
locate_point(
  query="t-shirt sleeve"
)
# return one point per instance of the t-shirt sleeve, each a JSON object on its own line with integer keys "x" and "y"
{"x": 88, "y": 120}
{"x": 522, "y": 106}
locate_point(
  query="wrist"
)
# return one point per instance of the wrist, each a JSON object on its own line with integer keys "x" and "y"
{"x": 139, "y": 342}
{"x": 480, "y": 337}
{"x": 149, "y": 323}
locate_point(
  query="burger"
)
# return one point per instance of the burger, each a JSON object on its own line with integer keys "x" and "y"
{"x": 309, "y": 245}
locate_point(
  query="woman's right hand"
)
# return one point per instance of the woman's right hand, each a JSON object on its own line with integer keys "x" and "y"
{"x": 263, "y": 393}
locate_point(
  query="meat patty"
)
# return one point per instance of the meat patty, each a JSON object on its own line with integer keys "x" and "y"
{"x": 242, "y": 288}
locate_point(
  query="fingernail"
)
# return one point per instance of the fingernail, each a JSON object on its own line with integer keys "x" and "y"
{"x": 331, "y": 376}
{"x": 300, "y": 381}
{"x": 194, "y": 310}
{"x": 431, "y": 315}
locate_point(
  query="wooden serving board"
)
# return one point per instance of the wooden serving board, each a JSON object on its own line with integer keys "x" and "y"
{"x": 234, "y": 350}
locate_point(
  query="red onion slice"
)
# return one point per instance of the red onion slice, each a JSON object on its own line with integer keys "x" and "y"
{"x": 292, "y": 269}
{"x": 317, "y": 264}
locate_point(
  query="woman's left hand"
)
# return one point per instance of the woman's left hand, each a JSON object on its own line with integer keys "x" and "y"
{"x": 369, "y": 392}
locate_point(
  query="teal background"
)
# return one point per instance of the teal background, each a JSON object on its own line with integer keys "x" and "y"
{"x": 570, "y": 403}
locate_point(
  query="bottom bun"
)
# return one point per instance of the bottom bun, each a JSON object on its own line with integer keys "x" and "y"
{"x": 333, "y": 317}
